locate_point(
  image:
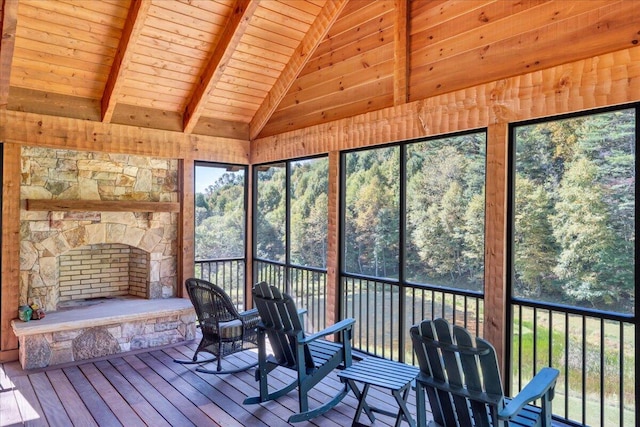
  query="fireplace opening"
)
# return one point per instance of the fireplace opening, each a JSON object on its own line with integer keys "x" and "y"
{"x": 94, "y": 273}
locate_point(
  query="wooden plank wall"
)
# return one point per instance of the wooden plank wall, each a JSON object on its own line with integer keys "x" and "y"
{"x": 600, "y": 81}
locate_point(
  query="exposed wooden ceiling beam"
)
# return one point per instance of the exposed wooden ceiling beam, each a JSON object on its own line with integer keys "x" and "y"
{"x": 400, "y": 47}
{"x": 299, "y": 59}
{"x": 130, "y": 33}
{"x": 8, "y": 24}
{"x": 237, "y": 24}
{"x": 86, "y": 135}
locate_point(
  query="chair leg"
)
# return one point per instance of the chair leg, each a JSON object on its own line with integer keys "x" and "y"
{"x": 305, "y": 416}
{"x": 195, "y": 360}
{"x": 219, "y": 371}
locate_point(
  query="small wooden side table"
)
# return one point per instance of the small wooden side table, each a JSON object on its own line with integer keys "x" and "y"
{"x": 394, "y": 376}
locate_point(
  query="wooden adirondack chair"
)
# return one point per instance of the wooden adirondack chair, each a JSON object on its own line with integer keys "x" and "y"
{"x": 224, "y": 330}
{"x": 462, "y": 381}
{"x": 312, "y": 357}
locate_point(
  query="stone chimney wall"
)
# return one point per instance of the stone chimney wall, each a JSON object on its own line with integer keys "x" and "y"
{"x": 49, "y": 174}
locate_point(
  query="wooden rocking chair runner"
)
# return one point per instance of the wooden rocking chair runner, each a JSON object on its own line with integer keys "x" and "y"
{"x": 312, "y": 357}
{"x": 224, "y": 330}
{"x": 461, "y": 378}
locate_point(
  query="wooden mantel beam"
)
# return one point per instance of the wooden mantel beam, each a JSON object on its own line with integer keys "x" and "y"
{"x": 299, "y": 59}
{"x": 237, "y": 24}
{"x": 130, "y": 33}
{"x": 8, "y": 24}
{"x": 100, "y": 206}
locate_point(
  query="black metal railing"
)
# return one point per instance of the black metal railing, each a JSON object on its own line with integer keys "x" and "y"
{"x": 594, "y": 351}
{"x": 228, "y": 273}
{"x": 384, "y": 311}
{"x": 307, "y": 285}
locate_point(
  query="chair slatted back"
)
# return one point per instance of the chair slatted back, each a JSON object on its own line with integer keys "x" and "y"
{"x": 282, "y": 323}
{"x": 451, "y": 355}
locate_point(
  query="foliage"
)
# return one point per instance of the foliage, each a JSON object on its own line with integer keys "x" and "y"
{"x": 574, "y": 222}
{"x": 220, "y": 218}
{"x": 444, "y": 222}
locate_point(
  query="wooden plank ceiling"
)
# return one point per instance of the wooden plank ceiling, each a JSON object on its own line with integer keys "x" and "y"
{"x": 249, "y": 69}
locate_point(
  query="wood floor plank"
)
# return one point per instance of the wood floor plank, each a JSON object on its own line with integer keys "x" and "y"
{"x": 165, "y": 407}
{"x": 5, "y": 381}
{"x": 49, "y": 400}
{"x": 121, "y": 409}
{"x": 234, "y": 409}
{"x": 28, "y": 404}
{"x": 148, "y": 414}
{"x": 285, "y": 406}
{"x": 103, "y": 415}
{"x": 190, "y": 392}
{"x": 71, "y": 401}
{"x": 340, "y": 415}
{"x": 10, "y": 413}
{"x": 177, "y": 399}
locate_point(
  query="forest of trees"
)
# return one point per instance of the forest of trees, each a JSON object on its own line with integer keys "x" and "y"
{"x": 444, "y": 218}
{"x": 308, "y": 186}
{"x": 573, "y": 212}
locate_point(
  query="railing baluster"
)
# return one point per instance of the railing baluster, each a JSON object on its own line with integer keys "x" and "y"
{"x": 592, "y": 392}
{"x": 566, "y": 364}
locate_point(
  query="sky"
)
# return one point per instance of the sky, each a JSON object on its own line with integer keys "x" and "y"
{"x": 206, "y": 176}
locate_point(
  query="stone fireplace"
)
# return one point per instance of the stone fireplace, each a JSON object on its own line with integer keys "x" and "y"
{"x": 86, "y": 241}
{"x": 105, "y": 254}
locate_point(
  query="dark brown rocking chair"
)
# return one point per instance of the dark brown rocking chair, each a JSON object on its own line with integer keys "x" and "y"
{"x": 461, "y": 378}
{"x": 312, "y": 357}
{"x": 224, "y": 330}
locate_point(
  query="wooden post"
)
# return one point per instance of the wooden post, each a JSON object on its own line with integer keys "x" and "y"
{"x": 495, "y": 298}
{"x": 186, "y": 224}
{"x": 248, "y": 277}
{"x": 10, "y": 250}
{"x": 333, "y": 239}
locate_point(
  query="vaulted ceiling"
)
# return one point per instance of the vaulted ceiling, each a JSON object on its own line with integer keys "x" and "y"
{"x": 249, "y": 69}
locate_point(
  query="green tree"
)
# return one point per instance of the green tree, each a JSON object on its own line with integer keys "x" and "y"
{"x": 308, "y": 187}
{"x": 271, "y": 213}
{"x": 535, "y": 249}
{"x": 586, "y": 242}
{"x": 372, "y": 215}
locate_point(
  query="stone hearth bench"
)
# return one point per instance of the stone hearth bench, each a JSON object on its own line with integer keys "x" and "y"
{"x": 110, "y": 327}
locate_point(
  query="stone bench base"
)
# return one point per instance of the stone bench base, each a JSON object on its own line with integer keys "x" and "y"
{"x": 111, "y": 327}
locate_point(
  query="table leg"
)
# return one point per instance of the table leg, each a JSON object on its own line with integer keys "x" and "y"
{"x": 362, "y": 401}
{"x": 404, "y": 410}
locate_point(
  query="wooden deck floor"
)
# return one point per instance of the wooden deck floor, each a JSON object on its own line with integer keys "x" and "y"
{"x": 148, "y": 388}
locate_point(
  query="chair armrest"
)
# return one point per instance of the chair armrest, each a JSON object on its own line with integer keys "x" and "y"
{"x": 249, "y": 313}
{"x": 541, "y": 384}
{"x": 333, "y": 329}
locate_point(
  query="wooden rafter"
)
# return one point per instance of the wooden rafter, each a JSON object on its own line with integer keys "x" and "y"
{"x": 237, "y": 24}
{"x": 299, "y": 59}
{"x": 400, "y": 65}
{"x": 8, "y": 24}
{"x": 130, "y": 33}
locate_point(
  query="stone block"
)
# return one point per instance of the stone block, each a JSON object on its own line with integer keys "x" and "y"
{"x": 35, "y": 352}
{"x": 94, "y": 342}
